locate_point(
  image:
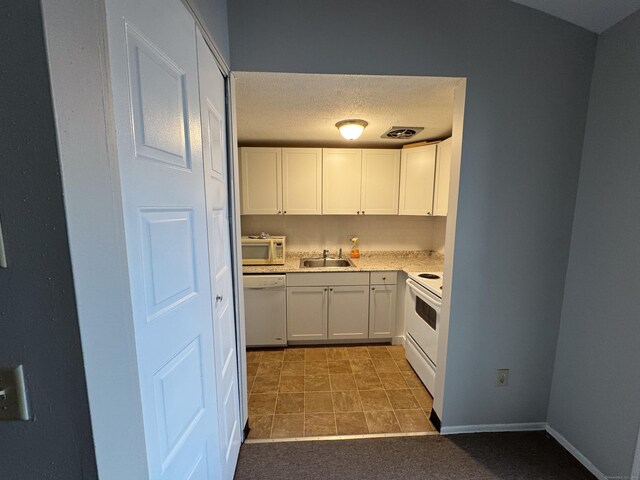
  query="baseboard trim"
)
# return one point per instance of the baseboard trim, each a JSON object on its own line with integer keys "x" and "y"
{"x": 398, "y": 340}
{"x": 498, "y": 427}
{"x": 576, "y": 453}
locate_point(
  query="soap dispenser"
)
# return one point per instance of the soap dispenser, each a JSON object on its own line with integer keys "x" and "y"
{"x": 355, "y": 250}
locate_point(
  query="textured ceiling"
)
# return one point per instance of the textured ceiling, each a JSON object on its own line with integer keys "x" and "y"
{"x": 302, "y": 109}
{"x": 594, "y": 15}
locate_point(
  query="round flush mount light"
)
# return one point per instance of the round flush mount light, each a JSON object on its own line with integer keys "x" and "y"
{"x": 351, "y": 129}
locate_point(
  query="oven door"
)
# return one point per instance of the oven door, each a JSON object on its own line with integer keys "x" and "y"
{"x": 422, "y": 317}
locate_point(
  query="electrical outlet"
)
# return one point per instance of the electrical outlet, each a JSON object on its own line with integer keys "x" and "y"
{"x": 13, "y": 396}
{"x": 502, "y": 377}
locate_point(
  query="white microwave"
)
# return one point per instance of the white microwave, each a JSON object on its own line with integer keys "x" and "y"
{"x": 263, "y": 251}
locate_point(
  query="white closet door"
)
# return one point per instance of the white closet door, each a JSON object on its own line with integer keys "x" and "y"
{"x": 154, "y": 76}
{"x": 301, "y": 181}
{"x": 380, "y": 182}
{"x": 212, "y": 105}
{"x": 341, "y": 173}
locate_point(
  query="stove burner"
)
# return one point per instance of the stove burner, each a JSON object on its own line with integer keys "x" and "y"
{"x": 430, "y": 276}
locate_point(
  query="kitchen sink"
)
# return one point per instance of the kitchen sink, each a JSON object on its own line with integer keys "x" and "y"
{"x": 325, "y": 263}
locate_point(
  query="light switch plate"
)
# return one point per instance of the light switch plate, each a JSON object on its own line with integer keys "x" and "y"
{"x": 13, "y": 395}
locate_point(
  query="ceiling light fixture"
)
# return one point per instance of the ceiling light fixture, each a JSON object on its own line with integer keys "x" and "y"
{"x": 351, "y": 129}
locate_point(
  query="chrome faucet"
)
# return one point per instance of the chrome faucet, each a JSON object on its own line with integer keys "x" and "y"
{"x": 325, "y": 254}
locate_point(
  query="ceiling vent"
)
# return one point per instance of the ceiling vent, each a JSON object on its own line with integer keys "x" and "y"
{"x": 401, "y": 133}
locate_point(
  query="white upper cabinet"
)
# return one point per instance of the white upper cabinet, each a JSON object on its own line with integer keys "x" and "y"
{"x": 261, "y": 176}
{"x": 302, "y": 181}
{"x": 341, "y": 173}
{"x": 380, "y": 182}
{"x": 417, "y": 174}
{"x": 441, "y": 189}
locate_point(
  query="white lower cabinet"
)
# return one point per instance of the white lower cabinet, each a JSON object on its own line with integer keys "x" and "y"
{"x": 382, "y": 311}
{"x": 307, "y": 313}
{"x": 323, "y": 306}
{"x": 348, "y": 312}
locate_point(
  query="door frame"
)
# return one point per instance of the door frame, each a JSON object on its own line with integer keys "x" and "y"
{"x": 77, "y": 49}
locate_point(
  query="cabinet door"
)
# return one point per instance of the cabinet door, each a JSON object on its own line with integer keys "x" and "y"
{"x": 261, "y": 175}
{"x": 382, "y": 311}
{"x": 441, "y": 189}
{"x": 341, "y": 172}
{"x": 348, "y": 312}
{"x": 417, "y": 172}
{"x": 302, "y": 181}
{"x": 380, "y": 182}
{"x": 307, "y": 313}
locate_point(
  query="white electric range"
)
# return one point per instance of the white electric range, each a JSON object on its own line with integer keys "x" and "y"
{"x": 423, "y": 300}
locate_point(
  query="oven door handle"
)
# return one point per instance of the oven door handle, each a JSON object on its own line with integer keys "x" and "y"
{"x": 423, "y": 293}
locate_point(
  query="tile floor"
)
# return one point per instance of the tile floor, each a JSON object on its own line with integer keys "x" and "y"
{"x": 324, "y": 391}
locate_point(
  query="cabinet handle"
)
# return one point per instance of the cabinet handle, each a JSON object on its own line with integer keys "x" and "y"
{"x": 358, "y": 212}
{"x": 384, "y": 278}
{"x": 284, "y": 213}
{"x": 373, "y": 288}
{"x": 279, "y": 212}
{"x": 428, "y": 213}
{"x": 325, "y": 289}
{"x": 331, "y": 289}
{"x": 363, "y": 212}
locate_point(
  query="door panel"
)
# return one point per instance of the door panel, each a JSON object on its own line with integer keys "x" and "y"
{"x": 349, "y": 312}
{"x": 154, "y": 80}
{"x": 417, "y": 173}
{"x": 380, "y": 182}
{"x": 212, "y": 102}
{"x": 302, "y": 181}
{"x": 307, "y": 313}
{"x": 341, "y": 173}
{"x": 261, "y": 177}
{"x": 382, "y": 311}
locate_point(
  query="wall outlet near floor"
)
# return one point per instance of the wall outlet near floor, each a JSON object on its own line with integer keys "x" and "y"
{"x": 502, "y": 377}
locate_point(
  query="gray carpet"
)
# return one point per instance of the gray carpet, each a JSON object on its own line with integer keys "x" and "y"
{"x": 517, "y": 455}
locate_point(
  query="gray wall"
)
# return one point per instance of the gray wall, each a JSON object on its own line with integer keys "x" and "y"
{"x": 528, "y": 85}
{"x": 38, "y": 321}
{"x": 596, "y": 381}
{"x": 213, "y": 15}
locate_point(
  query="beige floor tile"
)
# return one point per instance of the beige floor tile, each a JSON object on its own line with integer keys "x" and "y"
{"x": 382, "y": 422}
{"x": 266, "y": 384}
{"x": 362, "y": 365}
{"x": 385, "y": 365}
{"x": 403, "y": 365}
{"x": 252, "y": 369}
{"x": 358, "y": 352}
{"x": 352, "y": 423}
{"x": 316, "y": 368}
{"x": 402, "y": 399}
{"x": 317, "y": 383}
{"x": 343, "y": 381}
{"x": 318, "y": 424}
{"x": 262, "y": 403}
{"x": 272, "y": 355}
{"x": 292, "y": 368}
{"x": 379, "y": 351}
{"x": 318, "y": 402}
{"x": 367, "y": 381}
{"x": 347, "y": 401}
{"x": 424, "y": 399}
{"x": 413, "y": 421}
{"x": 288, "y": 426}
{"x": 337, "y": 353}
{"x": 315, "y": 354}
{"x": 340, "y": 366}
{"x": 269, "y": 368}
{"x": 412, "y": 380}
{"x": 290, "y": 403}
{"x": 294, "y": 355}
{"x": 396, "y": 351}
{"x": 392, "y": 381}
{"x": 373, "y": 400}
{"x": 254, "y": 356}
{"x": 291, "y": 384}
{"x": 260, "y": 426}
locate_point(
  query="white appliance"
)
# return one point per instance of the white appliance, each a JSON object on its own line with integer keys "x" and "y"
{"x": 423, "y": 300}
{"x": 265, "y": 307}
{"x": 263, "y": 250}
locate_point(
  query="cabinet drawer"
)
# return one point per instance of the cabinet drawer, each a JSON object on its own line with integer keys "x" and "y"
{"x": 327, "y": 278}
{"x": 384, "y": 278}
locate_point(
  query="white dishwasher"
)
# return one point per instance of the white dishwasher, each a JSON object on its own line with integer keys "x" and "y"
{"x": 265, "y": 307}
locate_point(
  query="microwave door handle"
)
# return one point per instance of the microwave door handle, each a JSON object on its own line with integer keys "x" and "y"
{"x": 272, "y": 251}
